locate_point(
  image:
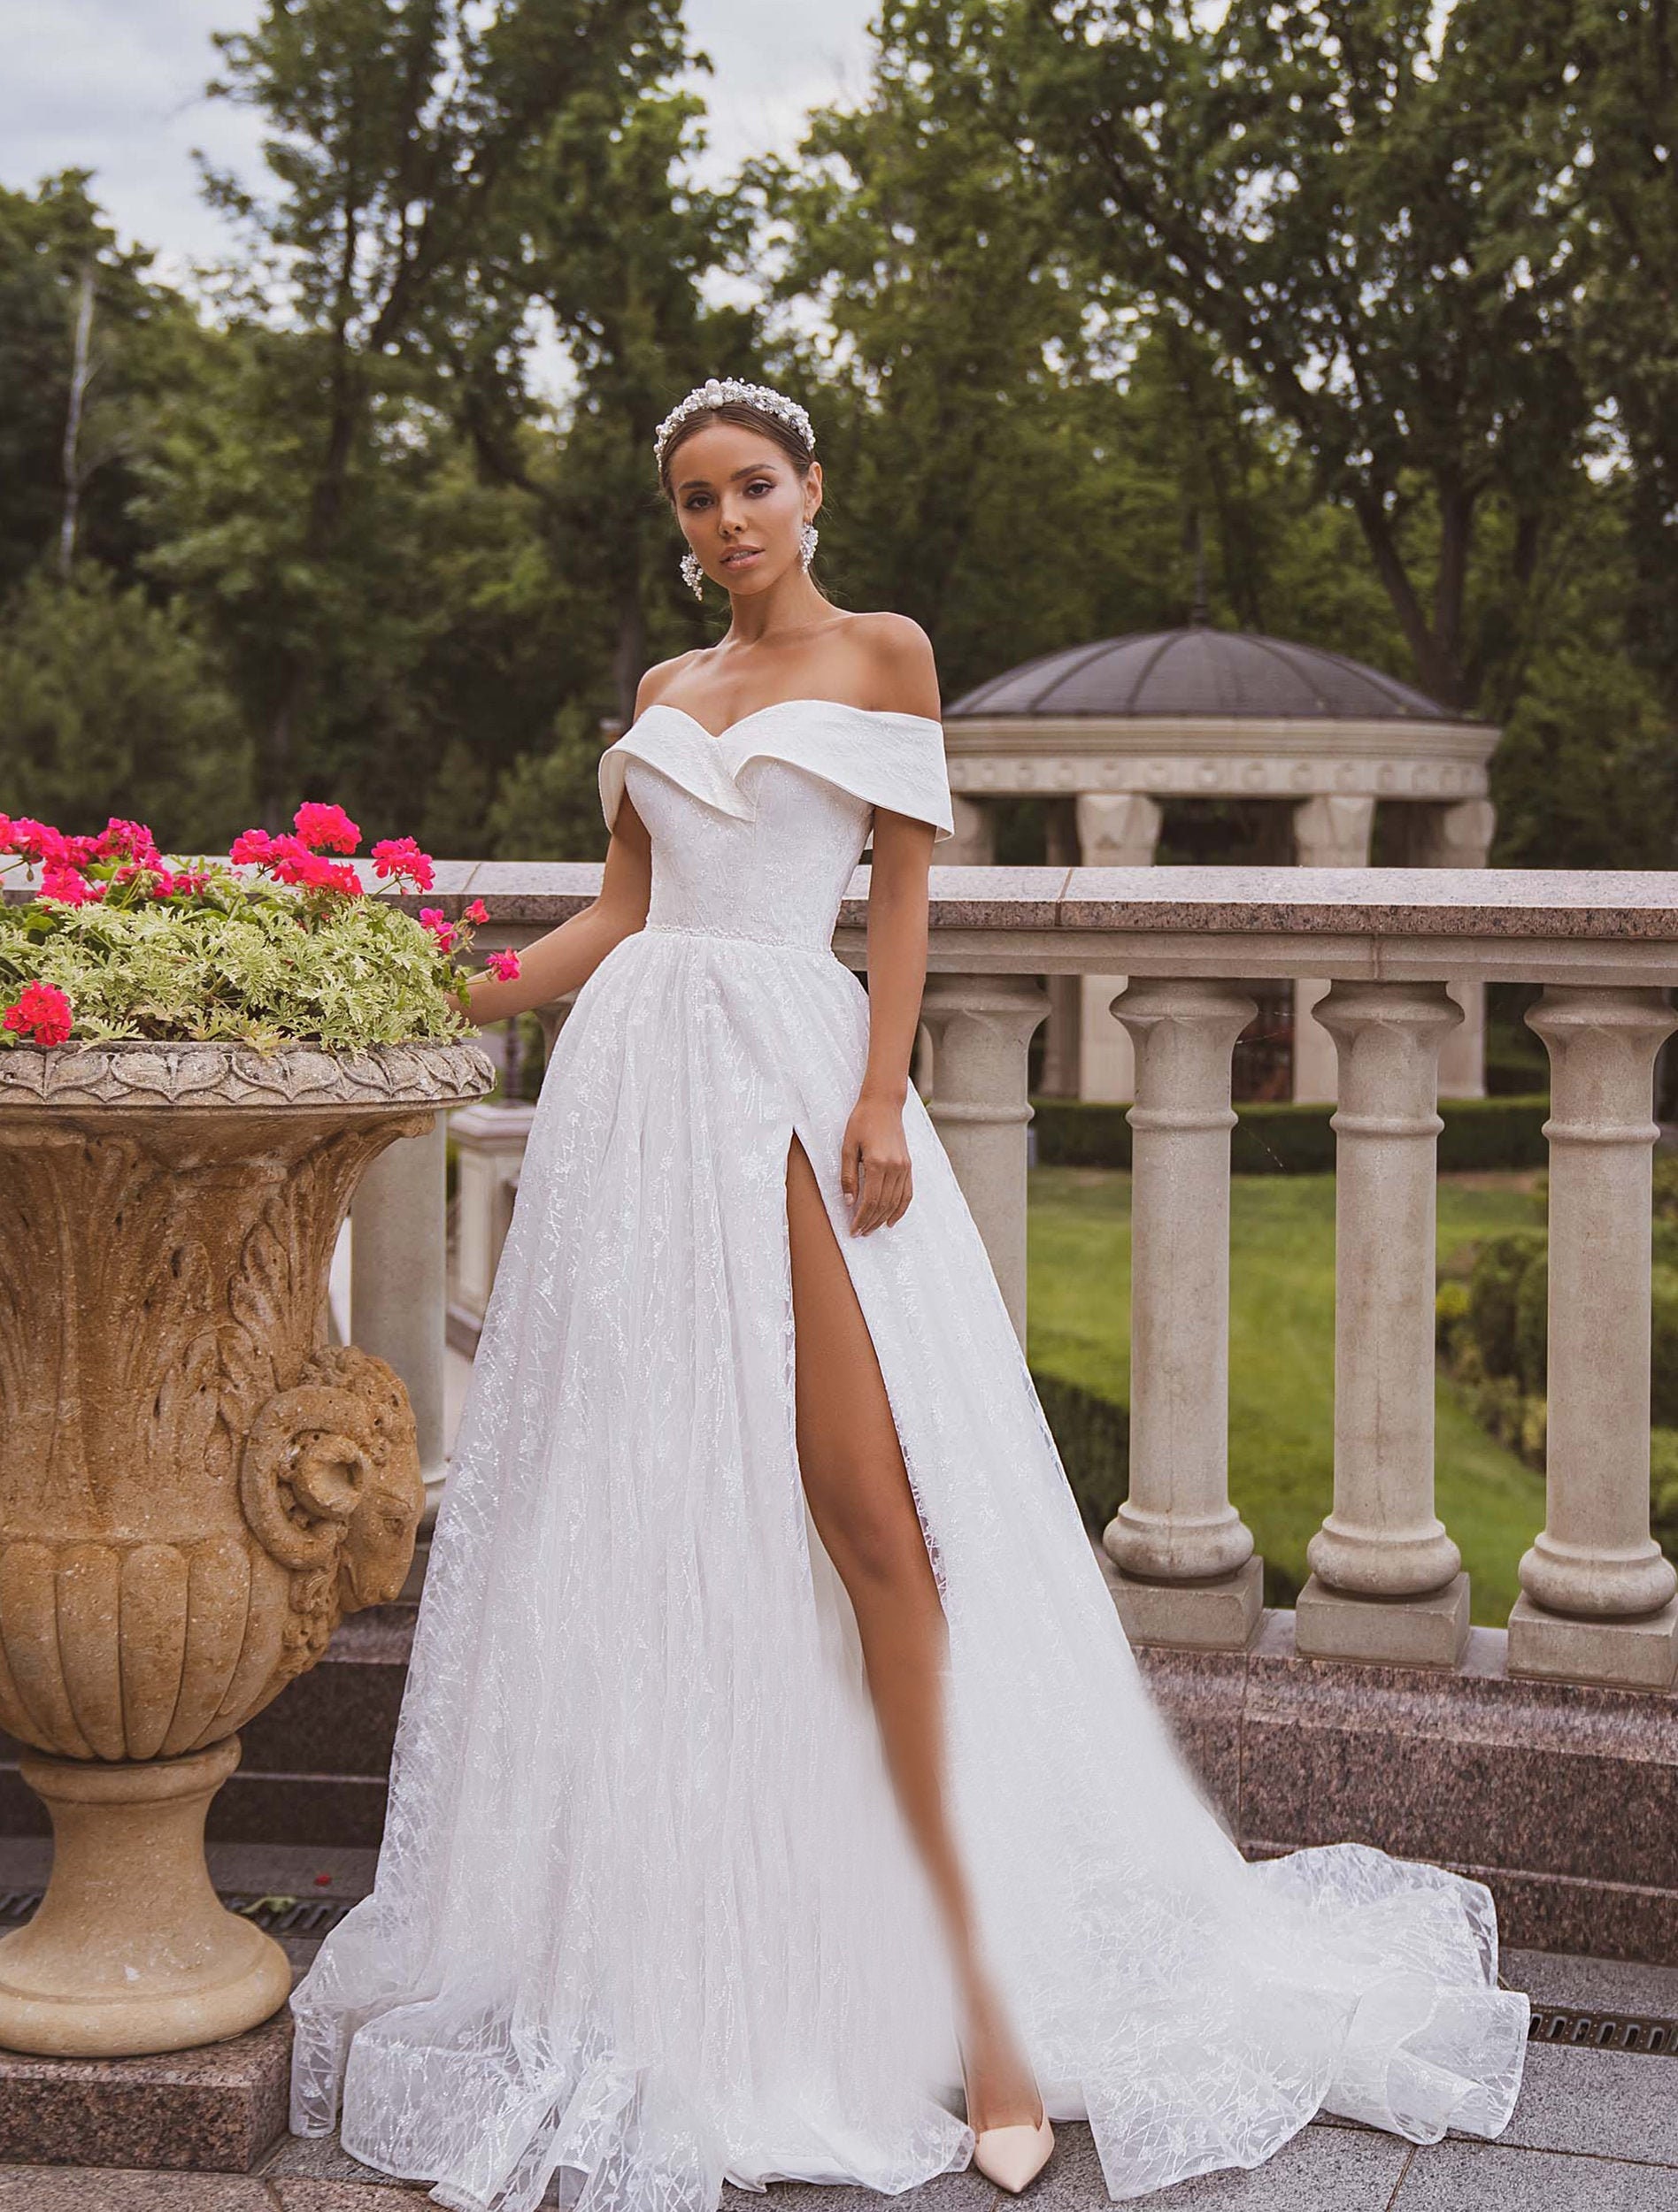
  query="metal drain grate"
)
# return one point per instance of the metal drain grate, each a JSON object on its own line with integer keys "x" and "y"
{"x": 1551, "y": 2023}
{"x": 1604, "y": 2031}
{"x": 280, "y": 1916}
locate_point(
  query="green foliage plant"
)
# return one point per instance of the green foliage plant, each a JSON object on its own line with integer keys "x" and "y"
{"x": 116, "y": 944}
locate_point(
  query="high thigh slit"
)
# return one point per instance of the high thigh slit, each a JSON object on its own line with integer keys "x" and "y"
{"x": 647, "y": 1917}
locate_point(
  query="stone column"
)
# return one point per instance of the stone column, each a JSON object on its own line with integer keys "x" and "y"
{"x": 398, "y": 1281}
{"x": 981, "y": 1026}
{"x": 551, "y": 1015}
{"x": 1330, "y": 830}
{"x": 1459, "y": 835}
{"x": 974, "y": 842}
{"x": 1598, "y": 1600}
{"x": 1387, "y": 1583}
{"x": 1188, "y": 1573}
{"x": 1116, "y": 829}
{"x": 1062, "y": 1047}
{"x": 490, "y": 1146}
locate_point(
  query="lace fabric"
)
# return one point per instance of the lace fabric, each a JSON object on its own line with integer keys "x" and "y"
{"x": 647, "y": 1917}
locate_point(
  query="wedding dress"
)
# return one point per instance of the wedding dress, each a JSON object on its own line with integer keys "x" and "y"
{"x": 647, "y": 1917}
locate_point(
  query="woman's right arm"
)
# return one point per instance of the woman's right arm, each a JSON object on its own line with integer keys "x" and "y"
{"x": 568, "y": 956}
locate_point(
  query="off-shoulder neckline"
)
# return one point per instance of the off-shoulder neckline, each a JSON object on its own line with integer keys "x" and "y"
{"x": 884, "y": 714}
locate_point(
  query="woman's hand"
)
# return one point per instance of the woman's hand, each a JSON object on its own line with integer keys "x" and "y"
{"x": 874, "y": 1171}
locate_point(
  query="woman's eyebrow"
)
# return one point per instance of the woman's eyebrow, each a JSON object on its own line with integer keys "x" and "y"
{"x": 703, "y": 483}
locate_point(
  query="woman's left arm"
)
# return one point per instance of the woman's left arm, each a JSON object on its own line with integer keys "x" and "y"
{"x": 874, "y": 1169}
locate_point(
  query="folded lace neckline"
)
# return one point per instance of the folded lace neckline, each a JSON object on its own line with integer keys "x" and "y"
{"x": 843, "y": 706}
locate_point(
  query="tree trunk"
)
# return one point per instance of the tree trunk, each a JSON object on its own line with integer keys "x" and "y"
{"x": 80, "y": 370}
{"x": 629, "y": 662}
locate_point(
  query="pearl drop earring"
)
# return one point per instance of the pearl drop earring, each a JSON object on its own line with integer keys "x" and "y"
{"x": 693, "y": 575}
{"x": 808, "y": 538}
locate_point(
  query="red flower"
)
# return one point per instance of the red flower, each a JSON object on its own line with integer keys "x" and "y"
{"x": 401, "y": 857}
{"x": 41, "y": 1011}
{"x": 324, "y": 828}
{"x": 431, "y": 917}
{"x": 36, "y": 841}
{"x": 477, "y": 911}
{"x": 252, "y": 846}
{"x": 59, "y": 880}
{"x": 292, "y": 864}
{"x": 504, "y": 965}
{"x": 120, "y": 841}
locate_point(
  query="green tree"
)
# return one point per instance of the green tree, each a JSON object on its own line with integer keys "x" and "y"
{"x": 402, "y": 135}
{"x": 1617, "y": 126}
{"x": 110, "y": 704}
{"x": 85, "y": 343}
{"x": 1353, "y": 205}
{"x": 617, "y": 247}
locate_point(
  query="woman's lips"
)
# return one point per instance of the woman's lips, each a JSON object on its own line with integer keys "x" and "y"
{"x": 743, "y": 557}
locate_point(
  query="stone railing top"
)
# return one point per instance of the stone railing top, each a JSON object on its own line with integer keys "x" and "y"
{"x": 1530, "y": 902}
{"x": 137, "y": 1072}
{"x": 1606, "y": 906}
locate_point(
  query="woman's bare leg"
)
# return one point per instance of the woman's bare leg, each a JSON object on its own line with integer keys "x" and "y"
{"x": 864, "y": 1510}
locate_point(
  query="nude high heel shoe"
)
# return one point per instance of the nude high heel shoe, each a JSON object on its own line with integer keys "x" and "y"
{"x": 1011, "y": 2156}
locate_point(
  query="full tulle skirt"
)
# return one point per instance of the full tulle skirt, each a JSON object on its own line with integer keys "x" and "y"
{"x": 647, "y": 1916}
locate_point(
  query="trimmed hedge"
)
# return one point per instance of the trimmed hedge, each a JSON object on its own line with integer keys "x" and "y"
{"x": 1092, "y": 1436}
{"x": 1501, "y": 1306}
{"x": 1278, "y": 1137}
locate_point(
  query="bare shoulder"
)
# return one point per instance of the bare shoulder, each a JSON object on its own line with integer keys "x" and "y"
{"x": 902, "y": 669}
{"x": 660, "y": 677}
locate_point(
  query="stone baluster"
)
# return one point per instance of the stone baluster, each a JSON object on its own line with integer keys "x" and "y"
{"x": 490, "y": 1146}
{"x": 1062, "y": 1050}
{"x": 1458, "y": 834}
{"x": 1189, "y": 1574}
{"x": 974, "y": 842}
{"x": 1332, "y": 830}
{"x": 551, "y": 1015}
{"x": 1598, "y": 1600}
{"x": 981, "y": 1026}
{"x": 398, "y": 1281}
{"x": 1387, "y": 1583}
{"x": 1116, "y": 829}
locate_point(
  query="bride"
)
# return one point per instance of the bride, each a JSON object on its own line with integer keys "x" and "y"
{"x": 776, "y": 1792}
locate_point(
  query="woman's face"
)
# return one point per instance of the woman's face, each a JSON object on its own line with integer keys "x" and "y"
{"x": 742, "y": 504}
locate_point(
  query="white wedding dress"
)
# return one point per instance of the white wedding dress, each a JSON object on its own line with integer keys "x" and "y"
{"x": 647, "y": 1918}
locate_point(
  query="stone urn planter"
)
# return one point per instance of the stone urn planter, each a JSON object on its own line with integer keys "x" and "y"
{"x": 195, "y": 1486}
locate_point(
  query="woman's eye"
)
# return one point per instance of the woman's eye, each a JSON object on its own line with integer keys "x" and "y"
{"x": 761, "y": 484}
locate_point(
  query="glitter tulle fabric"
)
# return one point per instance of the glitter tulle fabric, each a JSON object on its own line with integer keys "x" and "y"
{"x": 647, "y": 1918}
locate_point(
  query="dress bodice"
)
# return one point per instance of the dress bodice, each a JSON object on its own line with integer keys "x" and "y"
{"x": 755, "y": 833}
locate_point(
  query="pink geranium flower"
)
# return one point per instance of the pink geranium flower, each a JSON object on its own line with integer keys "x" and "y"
{"x": 477, "y": 911}
{"x": 251, "y": 846}
{"x": 401, "y": 857}
{"x": 59, "y": 880}
{"x": 120, "y": 841}
{"x": 324, "y": 828}
{"x": 36, "y": 841}
{"x": 504, "y": 965}
{"x": 41, "y": 1012}
{"x": 432, "y": 917}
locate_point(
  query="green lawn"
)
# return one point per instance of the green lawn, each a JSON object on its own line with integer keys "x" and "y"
{"x": 1281, "y": 1354}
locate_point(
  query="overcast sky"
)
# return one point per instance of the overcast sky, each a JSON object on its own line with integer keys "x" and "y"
{"x": 116, "y": 85}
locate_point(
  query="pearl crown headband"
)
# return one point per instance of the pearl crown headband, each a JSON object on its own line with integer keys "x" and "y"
{"x": 717, "y": 388}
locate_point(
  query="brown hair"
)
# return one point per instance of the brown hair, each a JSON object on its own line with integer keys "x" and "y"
{"x": 746, "y": 416}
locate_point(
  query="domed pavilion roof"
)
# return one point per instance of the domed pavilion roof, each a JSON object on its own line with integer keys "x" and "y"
{"x": 1203, "y": 673}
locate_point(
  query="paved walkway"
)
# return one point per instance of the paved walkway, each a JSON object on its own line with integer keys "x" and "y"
{"x": 1594, "y": 2132}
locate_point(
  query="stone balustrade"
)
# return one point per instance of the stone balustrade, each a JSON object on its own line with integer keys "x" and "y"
{"x": 1393, "y": 949}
